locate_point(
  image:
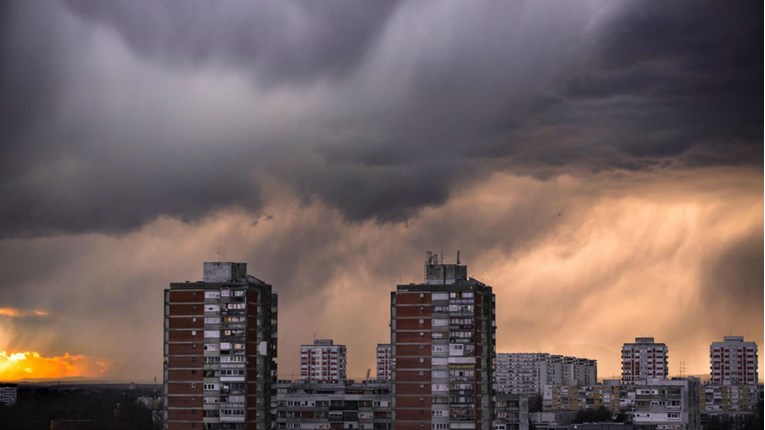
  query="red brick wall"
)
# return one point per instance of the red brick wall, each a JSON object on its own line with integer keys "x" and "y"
{"x": 412, "y": 402}
{"x": 409, "y": 425}
{"x": 413, "y": 389}
{"x": 412, "y": 363}
{"x": 185, "y": 415}
{"x": 412, "y": 350}
{"x": 187, "y": 296}
{"x": 186, "y": 336}
{"x": 404, "y": 298}
{"x": 183, "y": 388}
{"x": 186, "y": 322}
{"x": 184, "y": 348}
{"x": 413, "y": 337}
{"x": 184, "y": 402}
{"x": 186, "y": 309}
{"x": 413, "y": 311}
{"x": 185, "y": 375}
{"x": 174, "y": 361}
{"x": 413, "y": 375}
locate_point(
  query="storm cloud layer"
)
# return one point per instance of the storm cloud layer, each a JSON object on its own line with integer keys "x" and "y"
{"x": 330, "y": 143}
{"x": 119, "y": 112}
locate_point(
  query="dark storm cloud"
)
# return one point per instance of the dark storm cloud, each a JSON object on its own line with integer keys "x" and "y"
{"x": 678, "y": 79}
{"x": 284, "y": 41}
{"x": 391, "y": 105}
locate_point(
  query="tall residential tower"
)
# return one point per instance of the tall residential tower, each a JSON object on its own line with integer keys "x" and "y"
{"x": 384, "y": 361}
{"x": 220, "y": 350}
{"x": 733, "y": 361}
{"x": 323, "y": 361}
{"x": 643, "y": 360}
{"x": 442, "y": 335}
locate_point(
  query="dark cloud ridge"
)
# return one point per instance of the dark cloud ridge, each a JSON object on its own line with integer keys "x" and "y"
{"x": 652, "y": 85}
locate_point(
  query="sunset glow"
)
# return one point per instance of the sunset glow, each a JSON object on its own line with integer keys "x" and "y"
{"x": 19, "y": 313}
{"x": 31, "y": 365}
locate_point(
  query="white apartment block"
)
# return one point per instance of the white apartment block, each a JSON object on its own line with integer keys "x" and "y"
{"x": 384, "y": 361}
{"x": 733, "y": 361}
{"x": 529, "y": 373}
{"x": 644, "y": 359}
{"x": 323, "y": 361}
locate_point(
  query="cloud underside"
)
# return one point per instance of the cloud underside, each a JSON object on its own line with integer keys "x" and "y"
{"x": 596, "y": 262}
{"x": 121, "y": 113}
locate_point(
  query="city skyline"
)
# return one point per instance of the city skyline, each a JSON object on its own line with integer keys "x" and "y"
{"x": 598, "y": 163}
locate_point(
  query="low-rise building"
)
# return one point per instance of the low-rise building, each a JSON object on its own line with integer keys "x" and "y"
{"x": 715, "y": 399}
{"x": 666, "y": 404}
{"x": 333, "y": 406}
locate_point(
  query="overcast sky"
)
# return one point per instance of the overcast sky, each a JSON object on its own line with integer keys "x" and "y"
{"x": 599, "y": 163}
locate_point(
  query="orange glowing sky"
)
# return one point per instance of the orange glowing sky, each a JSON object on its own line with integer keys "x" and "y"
{"x": 629, "y": 255}
{"x": 31, "y": 365}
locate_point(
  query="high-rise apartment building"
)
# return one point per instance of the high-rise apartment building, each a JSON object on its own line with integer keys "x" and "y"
{"x": 529, "y": 373}
{"x": 442, "y": 334}
{"x": 644, "y": 359}
{"x": 733, "y": 361}
{"x": 323, "y": 361}
{"x": 384, "y": 361}
{"x": 220, "y": 348}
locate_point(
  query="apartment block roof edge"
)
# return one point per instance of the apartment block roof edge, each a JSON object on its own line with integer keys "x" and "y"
{"x": 222, "y": 273}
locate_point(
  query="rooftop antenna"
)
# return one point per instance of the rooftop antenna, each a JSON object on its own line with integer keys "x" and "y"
{"x": 682, "y": 369}
{"x": 218, "y": 250}
{"x": 458, "y": 257}
{"x": 442, "y": 256}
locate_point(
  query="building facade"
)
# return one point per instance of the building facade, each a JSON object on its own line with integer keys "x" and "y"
{"x": 511, "y": 412}
{"x": 715, "y": 399}
{"x": 323, "y": 361}
{"x": 220, "y": 349}
{"x": 384, "y": 361}
{"x": 8, "y": 394}
{"x": 333, "y": 406}
{"x": 733, "y": 362}
{"x": 644, "y": 359}
{"x": 658, "y": 403}
{"x": 528, "y": 373}
{"x": 443, "y": 337}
